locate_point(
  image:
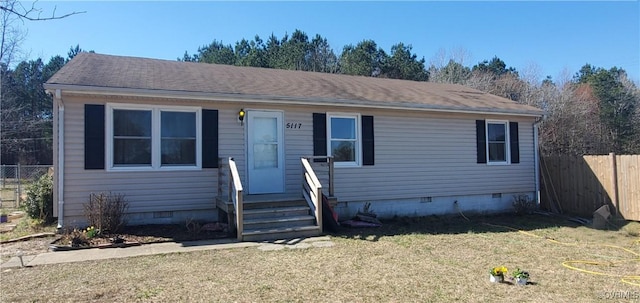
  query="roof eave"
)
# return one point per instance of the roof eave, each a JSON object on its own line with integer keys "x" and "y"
{"x": 231, "y": 97}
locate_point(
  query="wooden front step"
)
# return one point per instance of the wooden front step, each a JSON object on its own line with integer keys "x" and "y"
{"x": 273, "y": 217}
{"x": 278, "y": 222}
{"x": 281, "y": 233}
{"x": 275, "y": 212}
{"x": 248, "y": 205}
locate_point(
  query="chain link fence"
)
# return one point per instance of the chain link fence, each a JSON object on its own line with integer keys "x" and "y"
{"x": 15, "y": 180}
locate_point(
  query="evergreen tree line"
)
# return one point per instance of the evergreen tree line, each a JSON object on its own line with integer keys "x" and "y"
{"x": 298, "y": 52}
{"x": 594, "y": 111}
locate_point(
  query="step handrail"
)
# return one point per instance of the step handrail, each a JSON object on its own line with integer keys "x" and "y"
{"x": 330, "y": 161}
{"x": 235, "y": 195}
{"x": 312, "y": 190}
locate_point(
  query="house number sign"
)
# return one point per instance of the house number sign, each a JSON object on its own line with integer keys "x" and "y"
{"x": 293, "y": 125}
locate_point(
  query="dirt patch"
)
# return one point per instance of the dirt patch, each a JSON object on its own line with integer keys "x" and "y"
{"x": 27, "y": 247}
{"x": 20, "y": 226}
{"x": 144, "y": 234}
{"x": 174, "y": 232}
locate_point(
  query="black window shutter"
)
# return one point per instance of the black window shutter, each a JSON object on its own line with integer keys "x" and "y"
{"x": 209, "y": 138}
{"x": 94, "y": 136}
{"x": 319, "y": 135}
{"x": 481, "y": 141}
{"x": 368, "y": 153}
{"x": 514, "y": 142}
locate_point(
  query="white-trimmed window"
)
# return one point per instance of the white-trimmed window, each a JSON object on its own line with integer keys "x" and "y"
{"x": 343, "y": 135}
{"x": 497, "y": 142}
{"x": 141, "y": 137}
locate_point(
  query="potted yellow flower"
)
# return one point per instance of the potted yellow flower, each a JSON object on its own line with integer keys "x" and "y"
{"x": 496, "y": 274}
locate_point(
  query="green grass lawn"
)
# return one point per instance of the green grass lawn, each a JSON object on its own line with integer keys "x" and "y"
{"x": 407, "y": 260}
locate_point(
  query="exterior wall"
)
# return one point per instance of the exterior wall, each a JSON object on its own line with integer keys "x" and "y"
{"x": 418, "y": 156}
{"x": 153, "y": 197}
{"x": 432, "y": 157}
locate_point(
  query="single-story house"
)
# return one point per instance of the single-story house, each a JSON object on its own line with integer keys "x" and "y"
{"x": 185, "y": 140}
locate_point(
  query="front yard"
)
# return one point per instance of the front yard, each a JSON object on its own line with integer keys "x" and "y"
{"x": 407, "y": 260}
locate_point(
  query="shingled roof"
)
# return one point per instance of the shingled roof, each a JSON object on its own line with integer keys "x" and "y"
{"x": 104, "y": 74}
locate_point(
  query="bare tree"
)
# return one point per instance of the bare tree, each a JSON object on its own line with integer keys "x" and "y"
{"x": 458, "y": 55}
{"x": 31, "y": 13}
{"x": 572, "y": 125}
{"x": 531, "y": 73}
{"x": 12, "y": 35}
{"x": 634, "y": 91}
{"x": 480, "y": 81}
{"x": 13, "y": 12}
{"x": 449, "y": 67}
{"x": 532, "y": 90}
{"x": 564, "y": 77}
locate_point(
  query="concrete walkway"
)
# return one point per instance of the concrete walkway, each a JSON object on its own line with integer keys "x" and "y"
{"x": 160, "y": 248}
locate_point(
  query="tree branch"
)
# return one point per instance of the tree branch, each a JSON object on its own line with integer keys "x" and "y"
{"x": 25, "y": 14}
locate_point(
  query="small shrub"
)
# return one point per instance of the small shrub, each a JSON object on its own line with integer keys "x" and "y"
{"x": 106, "y": 212}
{"x": 524, "y": 205}
{"x": 39, "y": 203}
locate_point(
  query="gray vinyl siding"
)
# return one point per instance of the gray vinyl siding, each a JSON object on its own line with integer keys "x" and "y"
{"x": 299, "y": 143}
{"x": 428, "y": 156}
{"x": 151, "y": 191}
{"x": 417, "y": 154}
{"x": 157, "y": 191}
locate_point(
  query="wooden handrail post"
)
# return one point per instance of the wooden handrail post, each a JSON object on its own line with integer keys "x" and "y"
{"x": 239, "y": 215}
{"x": 319, "y": 206}
{"x": 235, "y": 193}
{"x": 331, "y": 176}
{"x": 230, "y": 181}
{"x": 312, "y": 190}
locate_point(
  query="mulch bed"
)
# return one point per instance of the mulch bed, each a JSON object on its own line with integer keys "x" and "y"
{"x": 144, "y": 234}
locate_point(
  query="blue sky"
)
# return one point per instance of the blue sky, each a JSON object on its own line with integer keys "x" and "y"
{"x": 553, "y": 36}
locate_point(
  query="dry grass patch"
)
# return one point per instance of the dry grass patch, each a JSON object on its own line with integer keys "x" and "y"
{"x": 408, "y": 260}
{"x": 25, "y": 226}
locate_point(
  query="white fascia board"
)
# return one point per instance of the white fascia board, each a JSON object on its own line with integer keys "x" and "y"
{"x": 231, "y": 97}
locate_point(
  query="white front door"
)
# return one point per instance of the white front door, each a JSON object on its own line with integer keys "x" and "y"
{"x": 265, "y": 155}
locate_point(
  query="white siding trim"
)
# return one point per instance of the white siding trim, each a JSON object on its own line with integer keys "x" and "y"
{"x": 358, "y": 130}
{"x": 507, "y": 145}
